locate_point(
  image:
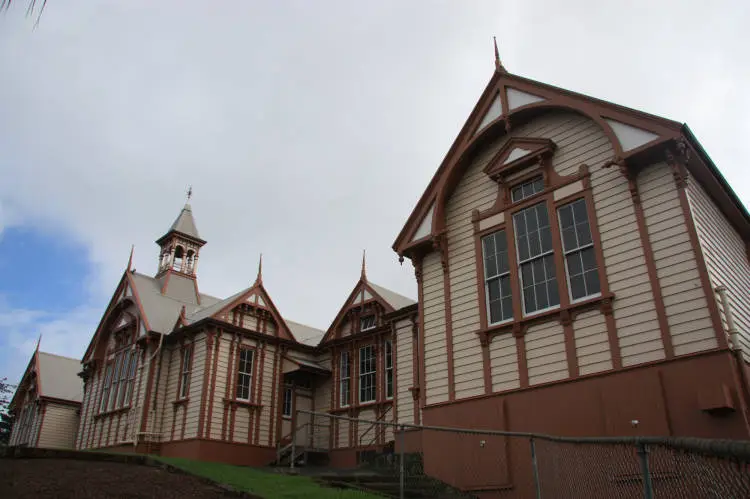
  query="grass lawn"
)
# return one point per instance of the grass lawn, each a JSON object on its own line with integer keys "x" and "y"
{"x": 269, "y": 485}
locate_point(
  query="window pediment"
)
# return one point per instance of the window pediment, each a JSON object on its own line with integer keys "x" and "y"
{"x": 518, "y": 153}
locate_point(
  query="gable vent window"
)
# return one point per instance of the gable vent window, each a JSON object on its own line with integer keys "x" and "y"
{"x": 366, "y": 323}
{"x": 527, "y": 189}
{"x": 536, "y": 259}
{"x": 580, "y": 261}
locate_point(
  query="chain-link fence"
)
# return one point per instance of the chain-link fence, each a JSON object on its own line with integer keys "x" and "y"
{"x": 429, "y": 461}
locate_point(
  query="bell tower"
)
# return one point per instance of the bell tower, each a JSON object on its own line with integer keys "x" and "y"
{"x": 181, "y": 245}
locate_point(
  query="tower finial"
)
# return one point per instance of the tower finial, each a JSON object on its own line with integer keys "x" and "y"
{"x": 189, "y": 193}
{"x": 259, "y": 278}
{"x": 364, "y": 266}
{"x": 130, "y": 260}
{"x": 498, "y": 65}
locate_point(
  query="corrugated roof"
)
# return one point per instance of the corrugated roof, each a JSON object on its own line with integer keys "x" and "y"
{"x": 306, "y": 335}
{"x": 185, "y": 223}
{"x": 59, "y": 377}
{"x": 161, "y": 310}
{"x": 394, "y": 299}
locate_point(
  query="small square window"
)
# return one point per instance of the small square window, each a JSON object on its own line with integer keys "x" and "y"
{"x": 527, "y": 189}
{"x": 367, "y": 322}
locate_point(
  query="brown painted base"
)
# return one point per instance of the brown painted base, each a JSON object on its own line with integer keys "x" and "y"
{"x": 204, "y": 450}
{"x": 350, "y": 457}
{"x": 693, "y": 396}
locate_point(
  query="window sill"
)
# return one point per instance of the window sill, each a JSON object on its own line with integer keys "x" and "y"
{"x": 243, "y": 403}
{"x": 112, "y": 412}
{"x": 180, "y": 402}
{"x": 365, "y": 405}
{"x": 564, "y": 314}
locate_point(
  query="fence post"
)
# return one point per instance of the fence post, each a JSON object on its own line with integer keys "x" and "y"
{"x": 294, "y": 441}
{"x": 648, "y": 490}
{"x": 401, "y": 452}
{"x": 537, "y": 487}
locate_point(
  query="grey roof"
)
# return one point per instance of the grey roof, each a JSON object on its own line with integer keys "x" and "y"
{"x": 394, "y": 299}
{"x": 161, "y": 310}
{"x": 58, "y": 377}
{"x": 185, "y": 224}
{"x": 306, "y": 335}
{"x": 308, "y": 363}
{"x": 208, "y": 310}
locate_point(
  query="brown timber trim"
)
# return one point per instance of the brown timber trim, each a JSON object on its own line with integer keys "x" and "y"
{"x": 415, "y": 366}
{"x": 394, "y": 366}
{"x": 417, "y": 261}
{"x": 149, "y": 387}
{"x": 609, "y": 318}
{"x": 279, "y": 394}
{"x": 648, "y": 253}
{"x": 206, "y": 377}
{"x": 210, "y": 415}
{"x": 272, "y": 422}
{"x": 679, "y": 171}
{"x": 523, "y": 370}
{"x": 41, "y": 423}
{"x": 259, "y": 398}
{"x": 224, "y": 427}
{"x": 448, "y": 316}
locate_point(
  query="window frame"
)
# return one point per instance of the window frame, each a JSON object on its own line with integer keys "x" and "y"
{"x": 345, "y": 382}
{"x": 498, "y": 277}
{"x": 249, "y": 374}
{"x": 288, "y": 390}
{"x": 372, "y": 375}
{"x": 499, "y": 217}
{"x": 541, "y": 256}
{"x": 364, "y": 318}
{"x": 186, "y": 371}
{"x": 388, "y": 378}
{"x": 577, "y": 249}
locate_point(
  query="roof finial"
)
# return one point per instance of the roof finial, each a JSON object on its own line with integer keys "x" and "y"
{"x": 189, "y": 193}
{"x": 364, "y": 270}
{"x": 498, "y": 65}
{"x": 130, "y": 260}
{"x": 36, "y": 350}
{"x": 259, "y": 278}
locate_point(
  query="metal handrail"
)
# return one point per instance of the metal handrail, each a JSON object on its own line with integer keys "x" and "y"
{"x": 724, "y": 448}
{"x": 381, "y": 418}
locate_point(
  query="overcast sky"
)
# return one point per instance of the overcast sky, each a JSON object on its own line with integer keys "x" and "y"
{"x": 308, "y": 131}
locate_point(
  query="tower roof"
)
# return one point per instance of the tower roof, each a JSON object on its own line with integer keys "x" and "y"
{"x": 185, "y": 224}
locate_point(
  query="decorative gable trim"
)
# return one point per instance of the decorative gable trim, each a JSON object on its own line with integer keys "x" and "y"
{"x": 518, "y": 153}
{"x": 518, "y": 98}
{"x": 630, "y": 137}
{"x": 264, "y": 302}
{"x": 362, "y": 294}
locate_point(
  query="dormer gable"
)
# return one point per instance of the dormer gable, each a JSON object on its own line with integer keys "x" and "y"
{"x": 517, "y": 154}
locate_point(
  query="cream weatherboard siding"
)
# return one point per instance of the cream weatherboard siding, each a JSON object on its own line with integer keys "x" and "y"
{"x": 504, "y": 363}
{"x": 366, "y": 433}
{"x": 545, "y": 353}
{"x": 676, "y": 265}
{"x": 634, "y": 308}
{"x": 435, "y": 353}
{"x": 60, "y": 426}
{"x": 404, "y": 370}
{"x": 726, "y": 256}
{"x": 578, "y": 141}
{"x": 592, "y": 343}
{"x": 26, "y": 433}
{"x": 225, "y": 343}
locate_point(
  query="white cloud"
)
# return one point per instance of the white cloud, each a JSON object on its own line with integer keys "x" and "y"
{"x": 309, "y": 130}
{"x": 64, "y": 334}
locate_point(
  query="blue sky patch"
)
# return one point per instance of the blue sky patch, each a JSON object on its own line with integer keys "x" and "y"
{"x": 39, "y": 271}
